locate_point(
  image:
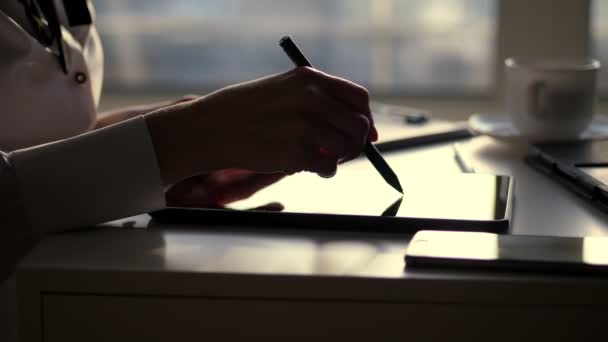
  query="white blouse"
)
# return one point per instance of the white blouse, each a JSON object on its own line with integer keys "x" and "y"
{"x": 40, "y": 103}
{"x": 55, "y": 173}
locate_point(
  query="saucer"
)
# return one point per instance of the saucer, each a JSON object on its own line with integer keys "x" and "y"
{"x": 499, "y": 126}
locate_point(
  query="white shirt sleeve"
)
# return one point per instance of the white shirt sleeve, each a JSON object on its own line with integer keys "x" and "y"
{"x": 92, "y": 178}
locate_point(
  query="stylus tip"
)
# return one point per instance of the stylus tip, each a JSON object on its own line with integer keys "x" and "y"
{"x": 398, "y": 187}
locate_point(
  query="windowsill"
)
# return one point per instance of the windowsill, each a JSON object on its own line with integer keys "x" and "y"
{"x": 448, "y": 108}
{"x": 452, "y": 108}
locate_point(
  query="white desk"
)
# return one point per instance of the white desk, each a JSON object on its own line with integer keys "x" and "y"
{"x": 171, "y": 283}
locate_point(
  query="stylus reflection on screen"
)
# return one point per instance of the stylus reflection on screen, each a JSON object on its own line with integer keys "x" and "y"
{"x": 357, "y": 190}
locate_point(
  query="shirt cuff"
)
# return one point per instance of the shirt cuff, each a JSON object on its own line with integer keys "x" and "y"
{"x": 100, "y": 176}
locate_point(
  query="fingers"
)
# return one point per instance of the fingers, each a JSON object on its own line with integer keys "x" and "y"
{"x": 343, "y": 90}
{"x": 309, "y": 156}
{"x": 325, "y": 163}
{"x": 245, "y": 187}
{"x": 350, "y": 129}
{"x": 347, "y": 93}
{"x": 330, "y": 129}
{"x": 304, "y": 142}
{"x": 331, "y": 142}
{"x": 227, "y": 177}
{"x": 272, "y": 206}
{"x": 219, "y": 188}
{"x": 189, "y": 192}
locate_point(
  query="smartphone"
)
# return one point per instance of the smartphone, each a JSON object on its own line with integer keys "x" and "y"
{"x": 451, "y": 249}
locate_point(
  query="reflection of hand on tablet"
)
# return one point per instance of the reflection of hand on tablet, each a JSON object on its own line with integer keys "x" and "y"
{"x": 217, "y": 189}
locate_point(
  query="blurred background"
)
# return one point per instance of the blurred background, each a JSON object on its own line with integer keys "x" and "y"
{"x": 442, "y": 55}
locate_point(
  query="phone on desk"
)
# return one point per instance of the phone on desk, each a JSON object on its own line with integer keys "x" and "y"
{"x": 450, "y": 249}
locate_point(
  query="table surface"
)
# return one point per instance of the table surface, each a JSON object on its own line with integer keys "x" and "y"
{"x": 133, "y": 246}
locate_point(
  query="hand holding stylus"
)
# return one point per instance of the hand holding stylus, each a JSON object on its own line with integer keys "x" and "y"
{"x": 271, "y": 125}
{"x": 374, "y": 156}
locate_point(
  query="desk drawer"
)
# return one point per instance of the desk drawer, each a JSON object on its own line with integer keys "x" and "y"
{"x": 114, "y": 318}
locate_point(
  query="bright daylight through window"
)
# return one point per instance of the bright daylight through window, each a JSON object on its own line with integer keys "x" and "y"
{"x": 401, "y": 46}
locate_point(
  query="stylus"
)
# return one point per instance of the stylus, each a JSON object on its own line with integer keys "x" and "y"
{"x": 298, "y": 58}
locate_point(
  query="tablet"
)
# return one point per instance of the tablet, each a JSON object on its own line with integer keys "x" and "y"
{"x": 358, "y": 199}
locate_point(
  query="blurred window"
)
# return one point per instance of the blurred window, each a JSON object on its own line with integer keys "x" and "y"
{"x": 599, "y": 24}
{"x": 402, "y": 46}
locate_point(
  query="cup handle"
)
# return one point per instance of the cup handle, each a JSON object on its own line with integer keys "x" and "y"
{"x": 536, "y": 91}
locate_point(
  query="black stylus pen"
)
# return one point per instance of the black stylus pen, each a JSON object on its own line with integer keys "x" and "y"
{"x": 374, "y": 156}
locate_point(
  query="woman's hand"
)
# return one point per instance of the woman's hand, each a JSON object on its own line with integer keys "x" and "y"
{"x": 220, "y": 188}
{"x": 301, "y": 120}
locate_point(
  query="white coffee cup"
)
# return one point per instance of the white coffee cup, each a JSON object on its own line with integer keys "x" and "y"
{"x": 551, "y": 99}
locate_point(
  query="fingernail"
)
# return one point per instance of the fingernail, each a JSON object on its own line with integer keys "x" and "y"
{"x": 374, "y": 134}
